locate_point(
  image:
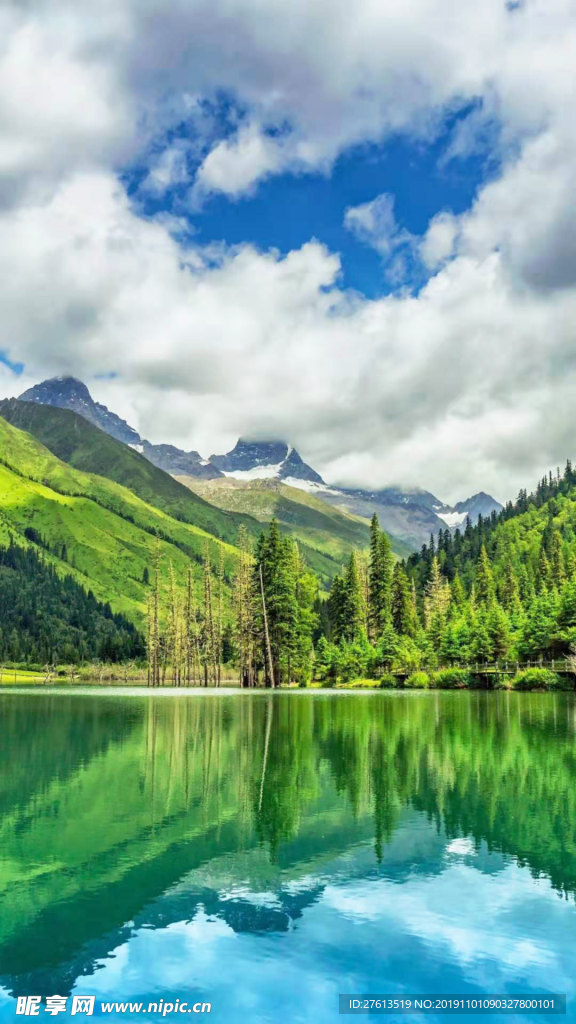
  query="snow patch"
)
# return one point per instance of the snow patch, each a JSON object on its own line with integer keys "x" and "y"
{"x": 256, "y": 473}
{"x": 311, "y": 486}
{"x": 137, "y": 448}
{"x": 452, "y": 519}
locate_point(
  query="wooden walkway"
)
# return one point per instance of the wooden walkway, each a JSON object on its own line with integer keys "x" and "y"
{"x": 510, "y": 668}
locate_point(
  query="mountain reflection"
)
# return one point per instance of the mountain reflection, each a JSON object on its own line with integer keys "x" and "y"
{"x": 121, "y": 812}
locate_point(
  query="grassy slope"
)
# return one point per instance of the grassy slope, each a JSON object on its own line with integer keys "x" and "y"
{"x": 109, "y": 532}
{"x": 326, "y": 533}
{"x": 77, "y": 442}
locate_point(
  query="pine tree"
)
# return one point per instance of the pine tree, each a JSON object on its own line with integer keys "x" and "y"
{"x": 379, "y": 579}
{"x": 337, "y": 610}
{"x": 543, "y": 575}
{"x": 557, "y": 567}
{"x": 278, "y": 615}
{"x": 402, "y": 603}
{"x": 485, "y": 592}
{"x": 354, "y": 595}
{"x": 458, "y": 595}
{"x": 510, "y": 591}
{"x": 498, "y": 628}
{"x": 437, "y": 598}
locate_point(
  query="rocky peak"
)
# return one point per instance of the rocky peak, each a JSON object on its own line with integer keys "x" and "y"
{"x": 70, "y": 393}
{"x": 264, "y": 460}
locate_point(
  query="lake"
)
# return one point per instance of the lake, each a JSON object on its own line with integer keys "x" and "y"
{"x": 266, "y": 852}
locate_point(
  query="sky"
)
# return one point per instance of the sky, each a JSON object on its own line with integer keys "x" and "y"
{"x": 352, "y": 227}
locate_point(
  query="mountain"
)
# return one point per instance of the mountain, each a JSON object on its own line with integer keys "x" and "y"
{"x": 84, "y": 446}
{"x": 326, "y": 533}
{"x": 408, "y": 515}
{"x": 95, "y": 530}
{"x": 177, "y": 462}
{"x": 326, "y": 536}
{"x": 70, "y": 393}
{"x": 408, "y": 522}
{"x": 480, "y": 504}
{"x": 259, "y": 460}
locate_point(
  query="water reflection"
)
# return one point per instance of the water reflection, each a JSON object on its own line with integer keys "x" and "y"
{"x": 269, "y": 851}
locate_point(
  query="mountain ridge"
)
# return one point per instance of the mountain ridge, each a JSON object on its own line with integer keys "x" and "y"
{"x": 325, "y": 542}
{"x": 408, "y": 515}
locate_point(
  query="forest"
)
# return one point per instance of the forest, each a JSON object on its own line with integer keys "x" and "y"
{"x": 500, "y": 592}
{"x": 46, "y": 618}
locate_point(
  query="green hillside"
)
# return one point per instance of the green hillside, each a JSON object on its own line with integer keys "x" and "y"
{"x": 82, "y": 445}
{"x": 499, "y": 593}
{"x": 49, "y": 618}
{"x": 92, "y": 528}
{"x": 506, "y": 587}
{"x": 326, "y": 533}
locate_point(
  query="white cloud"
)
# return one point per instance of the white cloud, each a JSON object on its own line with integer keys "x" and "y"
{"x": 438, "y": 243}
{"x": 467, "y": 385}
{"x": 235, "y": 165}
{"x": 167, "y": 169}
{"x": 374, "y": 223}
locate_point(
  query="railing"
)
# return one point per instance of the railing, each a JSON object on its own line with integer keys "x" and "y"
{"x": 503, "y": 667}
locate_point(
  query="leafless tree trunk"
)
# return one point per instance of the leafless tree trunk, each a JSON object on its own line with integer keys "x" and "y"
{"x": 266, "y": 632}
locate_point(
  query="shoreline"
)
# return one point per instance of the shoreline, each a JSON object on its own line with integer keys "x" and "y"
{"x": 137, "y": 689}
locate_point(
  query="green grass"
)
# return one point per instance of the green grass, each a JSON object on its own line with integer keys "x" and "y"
{"x": 18, "y": 676}
{"x": 109, "y": 532}
{"x": 84, "y": 447}
{"x": 325, "y": 533}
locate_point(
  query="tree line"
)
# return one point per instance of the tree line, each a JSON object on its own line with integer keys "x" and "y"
{"x": 268, "y": 632}
{"x": 46, "y": 618}
{"x": 504, "y": 588}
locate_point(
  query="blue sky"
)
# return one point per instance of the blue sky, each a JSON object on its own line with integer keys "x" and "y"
{"x": 231, "y": 217}
{"x": 286, "y": 211}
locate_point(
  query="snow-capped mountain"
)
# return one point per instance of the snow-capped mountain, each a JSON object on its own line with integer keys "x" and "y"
{"x": 480, "y": 504}
{"x": 410, "y": 515}
{"x": 261, "y": 460}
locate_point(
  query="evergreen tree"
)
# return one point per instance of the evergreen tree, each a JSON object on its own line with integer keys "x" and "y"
{"x": 557, "y": 567}
{"x": 354, "y": 600}
{"x": 379, "y": 579}
{"x": 437, "y": 594}
{"x": 402, "y": 603}
{"x": 484, "y": 589}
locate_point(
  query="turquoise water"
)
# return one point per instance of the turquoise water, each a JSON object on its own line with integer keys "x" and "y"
{"x": 266, "y": 852}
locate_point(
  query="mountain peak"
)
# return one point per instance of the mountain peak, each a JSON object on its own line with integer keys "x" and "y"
{"x": 56, "y": 386}
{"x": 71, "y": 393}
{"x": 480, "y": 504}
{"x": 262, "y": 460}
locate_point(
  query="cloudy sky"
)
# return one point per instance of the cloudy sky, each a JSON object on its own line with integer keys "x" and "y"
{"x": 349, "y": 225}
